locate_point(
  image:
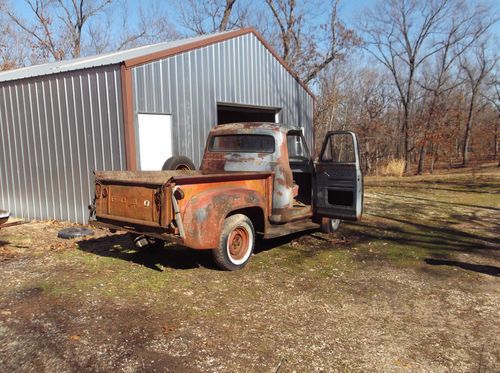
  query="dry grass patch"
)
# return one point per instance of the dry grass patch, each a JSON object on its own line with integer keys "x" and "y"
{"x": 395, "y": 167}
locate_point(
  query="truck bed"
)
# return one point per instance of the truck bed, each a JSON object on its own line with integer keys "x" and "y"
{"x": 135, "y": 200}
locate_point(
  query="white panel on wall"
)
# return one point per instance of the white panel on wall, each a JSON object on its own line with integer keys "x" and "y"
{"x": 155, "y": 140}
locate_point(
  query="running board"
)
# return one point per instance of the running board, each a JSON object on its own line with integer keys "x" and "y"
{"x": 278, "y": 230}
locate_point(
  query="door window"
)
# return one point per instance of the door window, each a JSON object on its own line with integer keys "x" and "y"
{"x": 297, "y": 148}
{"x": 339, "y": 148}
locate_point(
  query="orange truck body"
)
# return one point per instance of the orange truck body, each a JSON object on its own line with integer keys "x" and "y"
{"x": 141, "y": 202}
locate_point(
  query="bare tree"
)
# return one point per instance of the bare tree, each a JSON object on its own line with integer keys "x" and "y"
{"x": 464, "y": 29}
{"x": 493, "y": 97}
{"x": 152, "y": 26}
{"x": 40, "y": 29}
{"x": 60, "y": 29}
{"x": 475, "y": 72}
{"x": 56, "y": 26}
{"x": 15, "y": 47}
{"x": 307, "y": 47}
{"x": 76, "y": 14}
{"x": 208, "y": 16}
{"x": 400, "y": 35}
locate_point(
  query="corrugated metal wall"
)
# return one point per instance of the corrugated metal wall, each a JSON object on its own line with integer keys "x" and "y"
{"x": 189, "y": 86}
{"x": 54, "y": 131}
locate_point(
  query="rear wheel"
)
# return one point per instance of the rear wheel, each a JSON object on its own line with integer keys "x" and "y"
{"x": 236, "y": 243}
{"x": 329, "y": 225}
{"x": 178, "y": 162}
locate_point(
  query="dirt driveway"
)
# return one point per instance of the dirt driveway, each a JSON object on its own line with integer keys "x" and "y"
{"x": 414, "y": 287}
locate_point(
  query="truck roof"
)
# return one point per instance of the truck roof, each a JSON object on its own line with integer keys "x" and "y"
{"x": 256, "y": 125}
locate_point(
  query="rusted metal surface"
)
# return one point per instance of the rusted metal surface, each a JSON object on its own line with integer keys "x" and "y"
{"x": 181, "y": 176}
{"x": 238, "y": 242}
{"x": 138, "y": 229}
{"x": 192, "y": 205}
{"x": 4, "y": 216}
{"x": 131, "y": 199}
{"x": 276, "y": 162}
{"x": 13, "y": 224}
{"x": 259, "y": 181}
{"x": 128, "y": 117}
{"x": 279, "y": 230}
{"x": 290, "y": 214}
{"x": 205, "y": 207}
{"x": 146, "y": 204}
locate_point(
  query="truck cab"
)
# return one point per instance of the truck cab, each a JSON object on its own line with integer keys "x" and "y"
{"x": 255, "y": 179}
{"x": 332, "y": 187}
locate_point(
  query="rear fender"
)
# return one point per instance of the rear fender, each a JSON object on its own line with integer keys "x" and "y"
{"x": 205, "y": 213}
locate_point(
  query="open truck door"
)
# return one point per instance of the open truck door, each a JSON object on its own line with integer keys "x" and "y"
{"x": 338, "y": 187}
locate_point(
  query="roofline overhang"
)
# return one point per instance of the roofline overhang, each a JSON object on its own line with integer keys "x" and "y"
{"x": 133, "y": 62}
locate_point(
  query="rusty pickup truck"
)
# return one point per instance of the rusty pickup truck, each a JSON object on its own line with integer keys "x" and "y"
{"x": 256, "y": 180}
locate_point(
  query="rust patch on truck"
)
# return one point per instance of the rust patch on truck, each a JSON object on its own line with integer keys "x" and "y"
{"x": 205, "y": 207}
{"x": 276, "y": 161}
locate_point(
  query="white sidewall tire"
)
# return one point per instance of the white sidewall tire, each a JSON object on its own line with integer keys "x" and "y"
{"x": 249, "y": 231}
{"x": 222, "y": 255}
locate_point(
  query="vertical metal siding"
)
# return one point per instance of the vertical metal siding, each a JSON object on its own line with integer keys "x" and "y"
{"x": 238, "y": 71}
{"x": 54, "y": 131}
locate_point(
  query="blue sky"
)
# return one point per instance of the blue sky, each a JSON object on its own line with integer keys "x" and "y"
{"x": 349, "y": 10}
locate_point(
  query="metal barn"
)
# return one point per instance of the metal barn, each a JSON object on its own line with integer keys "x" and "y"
{"x": 132, "y": 110}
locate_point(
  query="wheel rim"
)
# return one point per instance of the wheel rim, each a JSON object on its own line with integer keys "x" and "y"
{"x": 334, "y": 224}
{"x": 182, "y": 167}
{"x": 238, "y": 245}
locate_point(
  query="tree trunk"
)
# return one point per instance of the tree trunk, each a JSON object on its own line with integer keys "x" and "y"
{"x": 433, "y": 158}
{"x": 367, "y": 157}
{"x": 226, "y": 15}
{"x": 468, "y": 127}
{"x": 421, "y": 160}
{"x": 495, "y": 144}
{"x": 406, "y": 143}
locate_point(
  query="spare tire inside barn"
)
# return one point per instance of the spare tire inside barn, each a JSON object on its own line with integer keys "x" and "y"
{"x": 178, "y": 162}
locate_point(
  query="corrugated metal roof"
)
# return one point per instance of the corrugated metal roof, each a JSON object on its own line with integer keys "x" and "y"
{"x": 99, "y": 60}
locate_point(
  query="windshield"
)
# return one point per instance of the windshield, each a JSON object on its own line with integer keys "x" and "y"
{"x": 242, "y": 143}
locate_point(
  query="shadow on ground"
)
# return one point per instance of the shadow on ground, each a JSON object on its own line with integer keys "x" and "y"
{"x": 485, "y": 269}
{"x": 121, "y": 246}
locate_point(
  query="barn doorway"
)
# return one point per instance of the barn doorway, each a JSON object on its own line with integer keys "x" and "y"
{"x": 236, "y": 114}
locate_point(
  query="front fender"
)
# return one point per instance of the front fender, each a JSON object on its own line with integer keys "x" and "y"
{"x": 205, "y": 213}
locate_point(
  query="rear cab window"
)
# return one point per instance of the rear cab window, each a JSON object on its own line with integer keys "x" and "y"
{"x": 242, "y": 143}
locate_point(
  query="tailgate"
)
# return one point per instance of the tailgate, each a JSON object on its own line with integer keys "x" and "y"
{"x": 134, "y": 202}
